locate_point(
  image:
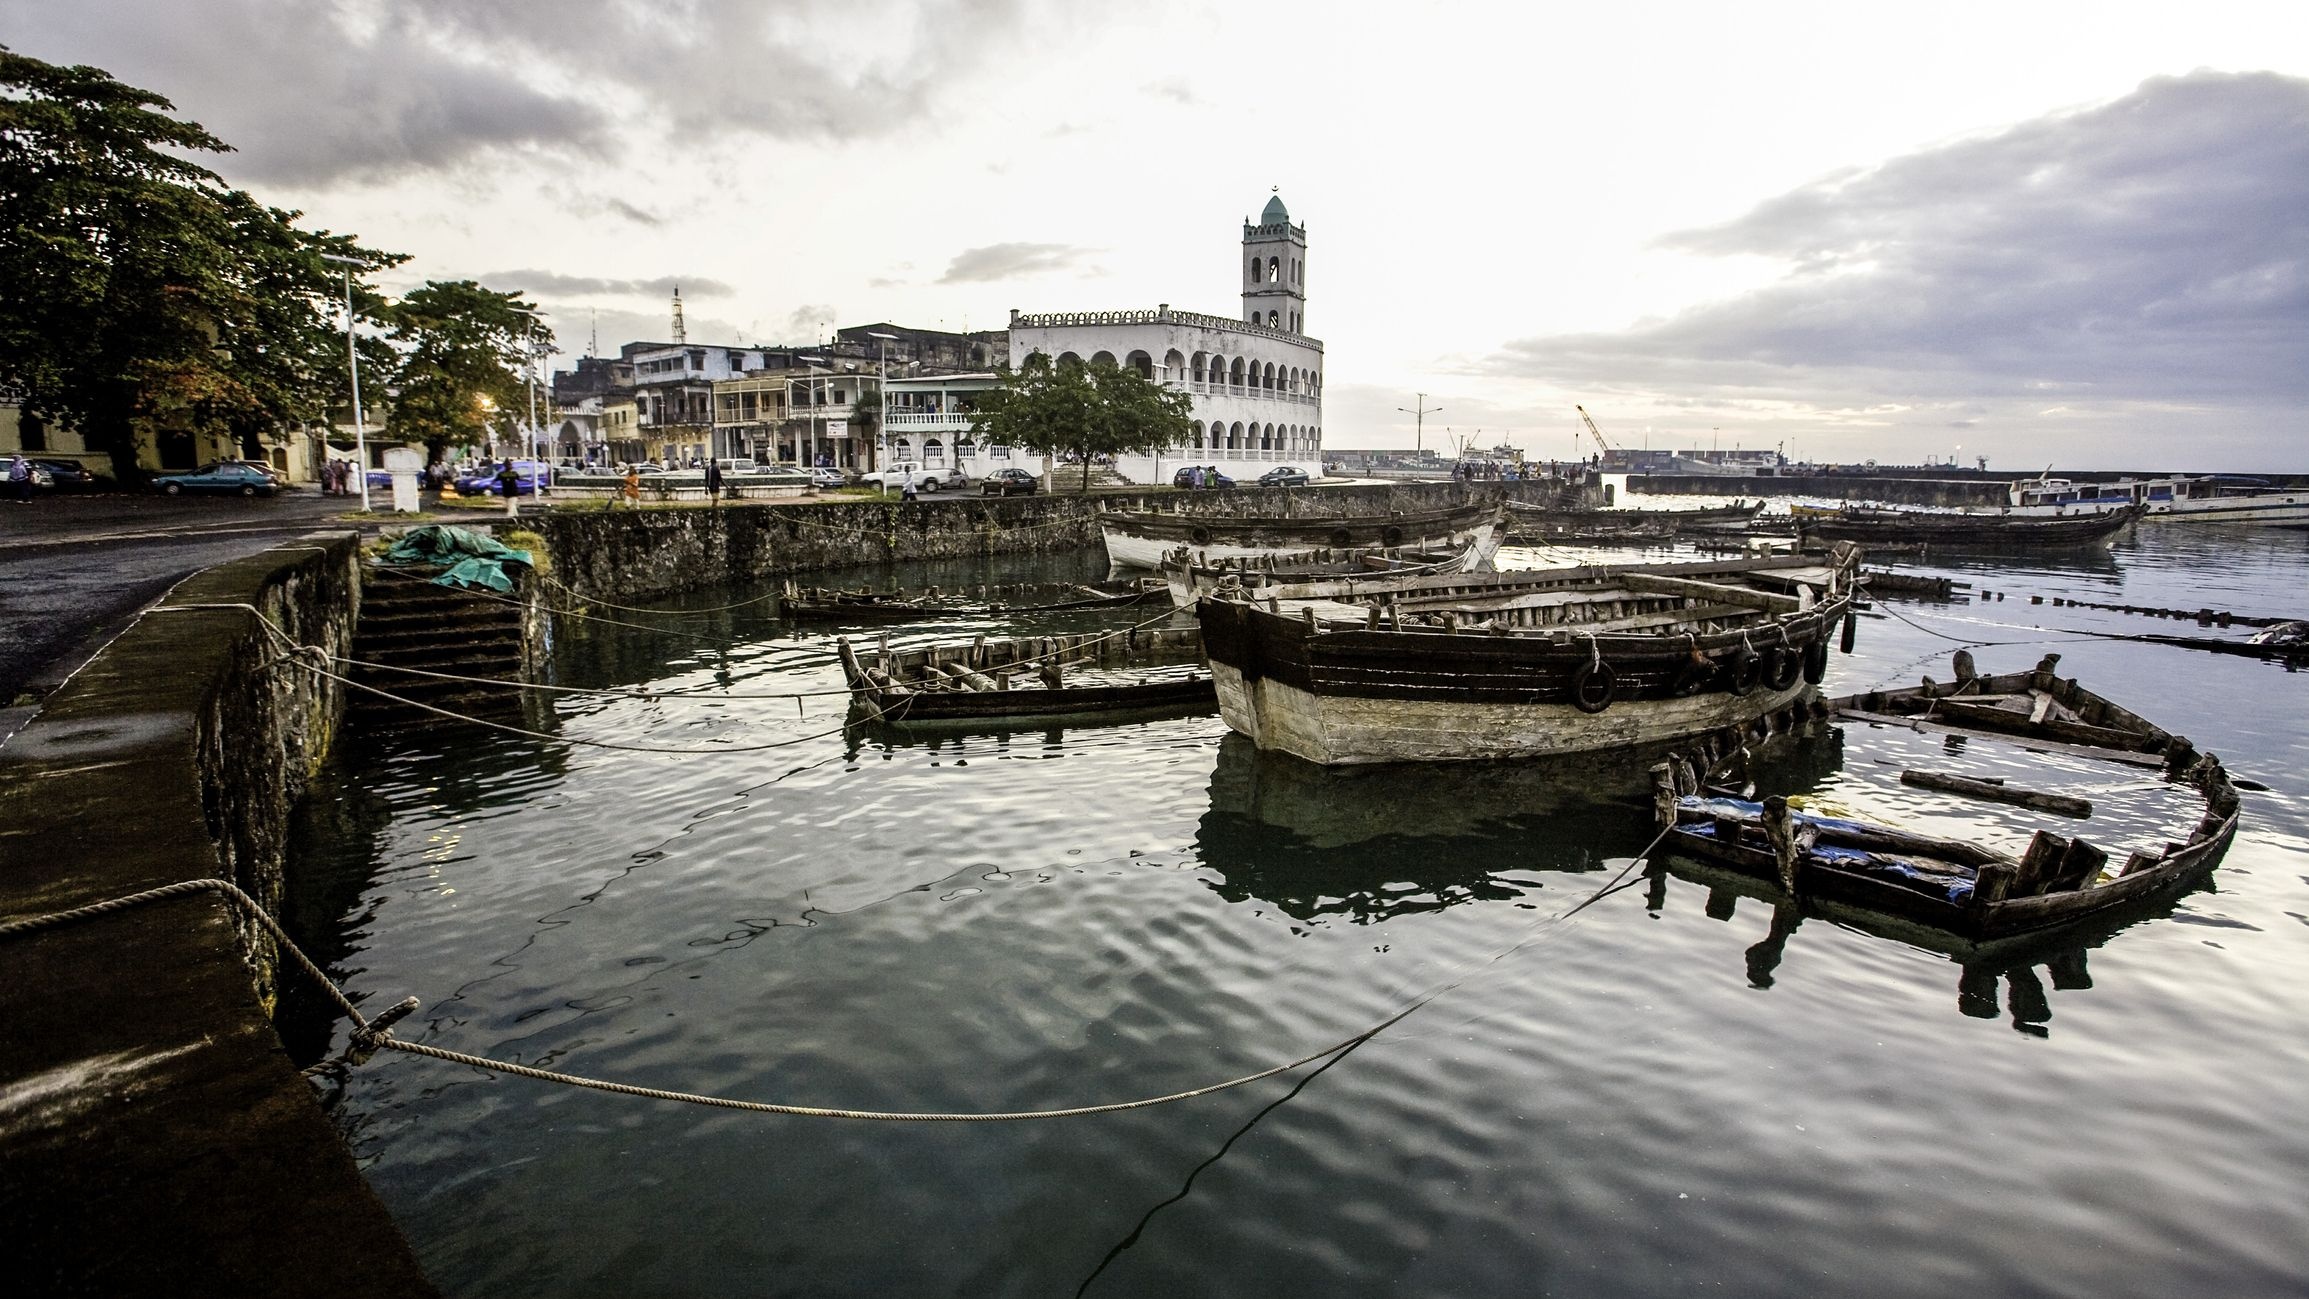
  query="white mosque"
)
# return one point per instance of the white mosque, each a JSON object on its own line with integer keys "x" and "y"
{"x": 1257, "y": 380}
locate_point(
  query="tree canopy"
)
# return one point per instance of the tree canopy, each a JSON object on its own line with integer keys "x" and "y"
{"x": 144, "y": 295}
{"x": 465, "y": 348}
{"x": 1057, "y": 409}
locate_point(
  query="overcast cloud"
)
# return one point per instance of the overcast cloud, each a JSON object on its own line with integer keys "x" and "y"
{"x": 555, "y": 284}
{"x": 380, "y": 89}
{"x": 1012, "y": 261}
{"x": 2155, "y": 249}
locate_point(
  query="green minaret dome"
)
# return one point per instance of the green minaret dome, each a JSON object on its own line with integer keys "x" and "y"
{"x": 1276, "y": 213}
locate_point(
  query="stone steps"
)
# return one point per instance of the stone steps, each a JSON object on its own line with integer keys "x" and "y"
{"x": 412, "y": 623}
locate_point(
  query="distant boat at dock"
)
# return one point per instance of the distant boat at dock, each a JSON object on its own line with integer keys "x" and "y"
{"x": 1967, "y": 530}
{"x": 1141, "y": 538}
{"x": 2216, "y": 498}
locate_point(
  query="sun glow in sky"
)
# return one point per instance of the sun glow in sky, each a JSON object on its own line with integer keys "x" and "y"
{"x": 2043, "y": 232}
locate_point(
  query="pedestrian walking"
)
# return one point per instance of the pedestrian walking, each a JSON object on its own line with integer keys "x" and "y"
{"x": 509, "y": 482}
{"x": 631, "y": 488}
{"x": 713, "y": 482}
{"x": 20, "y": 477}
{"x": 906, "y": 487}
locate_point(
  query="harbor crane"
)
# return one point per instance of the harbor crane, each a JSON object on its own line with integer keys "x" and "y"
{"x": 1594, "y": 432}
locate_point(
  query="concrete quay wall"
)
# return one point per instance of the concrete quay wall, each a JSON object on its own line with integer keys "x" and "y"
{"x": 612, "y": 554}
{"x": 154, "y": 1136}
{"x": 1842, "y": 487}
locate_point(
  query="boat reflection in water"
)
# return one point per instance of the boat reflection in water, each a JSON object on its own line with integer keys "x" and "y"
{"x": 1369, "y": 844}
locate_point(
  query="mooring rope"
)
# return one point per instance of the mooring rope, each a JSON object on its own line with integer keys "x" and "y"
{"x": 370, "y": 1036}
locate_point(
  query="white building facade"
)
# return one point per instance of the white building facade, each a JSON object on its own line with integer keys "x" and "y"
{"x": 1257, "y": 382}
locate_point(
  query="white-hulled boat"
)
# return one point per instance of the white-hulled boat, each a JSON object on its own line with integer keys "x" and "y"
{"x": 2216, "y": 498}
{"x": 1141, "y": 538}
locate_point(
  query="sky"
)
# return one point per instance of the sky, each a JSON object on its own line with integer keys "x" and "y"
{"x": 2041, "y": 232}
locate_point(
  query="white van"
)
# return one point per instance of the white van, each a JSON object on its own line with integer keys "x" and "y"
{"x": 892, "y": 477}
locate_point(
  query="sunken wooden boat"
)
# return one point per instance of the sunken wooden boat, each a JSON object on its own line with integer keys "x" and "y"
{"x": 1190, "y": 576}
{"x": 833, "y": 604}
{"x": 1141, "y": 538}
{"x": 1954, "y": 887}
{"x": 1140, "y": 671}
{"x": 1519, "y": 665}
{"x": 1953, "y": 530}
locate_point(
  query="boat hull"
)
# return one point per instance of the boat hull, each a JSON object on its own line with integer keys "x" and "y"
{"x": 1141, "y": 539}
{"x": 2003, "y": 531}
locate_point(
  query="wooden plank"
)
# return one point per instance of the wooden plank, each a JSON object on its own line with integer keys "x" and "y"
{"x": 2029, "y": 742}
{"x": 1996, "y": 791}
{"x": 1717, "y": 592}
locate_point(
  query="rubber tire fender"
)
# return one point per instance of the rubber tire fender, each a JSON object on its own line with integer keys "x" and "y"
{"x": 1782, "y": 665}
{"x": 1740, "y": 675}
{"x": 1851, "y": 631}
{"x": 1341, "y": 538}
{"x": 1200, "y": 536}
{"x": 1593, "y": 686}
{"x": 1816, "y": 660}
{"x": 1393, "y": 536}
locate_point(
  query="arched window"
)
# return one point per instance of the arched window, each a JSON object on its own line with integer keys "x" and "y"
{"x": 1235, "y": 435}
{"x": 903, "y": 449}
{"x": 1218, "y": 435}
{"x": 1174, "y": 366}
{"x": 933, "y": 452}
{"x": 1274, "y": 268}
{"x": 963, "y": 449}
{"x": 1267, "y": 381}
{"x": 1142, "y": 363}
{"x": 1069, "y": 358}
{"x": 1254, "y": 270}
{"x": 1102, "y": 358}
{"x": 1274, "y": 320}
{"x": 1235, "y": 375}
{"x": 1195, "y": 367}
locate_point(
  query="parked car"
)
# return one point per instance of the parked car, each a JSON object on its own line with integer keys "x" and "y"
{"x": 826, "y": 479}
{"x": 893, "y": 476}
{"x": 1008, "y": 482}
{"x": 1284, "y": 476}
{"x": 232, "y": 476}
{"x": 68, "y": 474}
{"x": 1211, "y": 477}
{"x": 483, "y": 482}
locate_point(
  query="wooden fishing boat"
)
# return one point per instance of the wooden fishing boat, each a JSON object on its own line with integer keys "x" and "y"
{"x": 1138, "y": 671}
{"x": 1954, "y": 530}
{"x": 1141, "y": 538}
{"x": 1949, "y": 886}
{"x": 1189, "y": 576}
{"x": 823, "y": 604}
{"x": 1535, "y": 523}
{"x": 1517, "y": 665}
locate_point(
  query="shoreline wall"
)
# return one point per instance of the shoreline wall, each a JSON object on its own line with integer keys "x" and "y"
{"x": 1843, "y": 487}
{"x": 614, "y": 553}
{"x": 154, "y": 1135}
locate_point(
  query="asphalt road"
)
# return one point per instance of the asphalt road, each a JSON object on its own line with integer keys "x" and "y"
{"x": 75, "y": 569}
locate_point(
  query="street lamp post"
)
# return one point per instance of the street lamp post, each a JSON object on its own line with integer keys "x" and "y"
{"x": 353, "y": 358}
{"x": 882, "y": 397}
{"x": 1419, "y": 425}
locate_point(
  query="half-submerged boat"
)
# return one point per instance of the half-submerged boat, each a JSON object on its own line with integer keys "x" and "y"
{"x": 1537, "y": 523}
{"x": 1140, "y": 538}
{"x": 1958, "y": 530}
{"x": 1517, "y": 665}
{"x": 1086, "y": 677}
{"x": 1954, "y": 887}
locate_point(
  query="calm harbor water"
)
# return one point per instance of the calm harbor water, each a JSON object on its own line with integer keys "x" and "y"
{"x": 1671, "y": 1092}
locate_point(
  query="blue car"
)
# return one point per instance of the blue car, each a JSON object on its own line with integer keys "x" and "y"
{"x": 484, "y": 483}
{"x": 234, "y": 476}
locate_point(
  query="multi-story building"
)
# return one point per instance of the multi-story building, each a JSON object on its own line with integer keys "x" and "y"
{"x": 1257, "y": 382}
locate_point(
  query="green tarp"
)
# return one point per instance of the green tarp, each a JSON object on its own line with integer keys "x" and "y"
{"x": 470, "y": 558}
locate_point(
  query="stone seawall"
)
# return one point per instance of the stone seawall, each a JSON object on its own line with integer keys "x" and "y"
{"x": 1841, "y": 487}
{"x": 608, "y": 554}
{"x": 154, "y": 1134}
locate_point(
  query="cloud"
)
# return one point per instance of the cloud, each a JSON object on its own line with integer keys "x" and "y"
{"x": 370, "y": 90}
{"x": 1177, "y": 90}
{"x": 555, "y": 284}
{"x": 2152, "y": 250}
{"x": 1009, "y": 261}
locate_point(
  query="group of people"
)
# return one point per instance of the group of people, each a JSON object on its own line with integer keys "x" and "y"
{"x": 337, "y": 478}
{"x": 1202, "y": 476}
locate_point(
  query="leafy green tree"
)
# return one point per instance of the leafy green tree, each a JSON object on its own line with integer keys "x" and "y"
{"x": 1085, "y": 410}
{"x": 145, "y": 299}
{"x": 465, "y": 349}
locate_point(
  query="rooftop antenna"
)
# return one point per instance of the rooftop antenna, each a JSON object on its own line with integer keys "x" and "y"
{"x": 680, "y": 330}
{"x": 593, "y": 340}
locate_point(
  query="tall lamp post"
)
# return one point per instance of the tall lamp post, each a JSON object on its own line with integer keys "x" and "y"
{"x": 1419, "y": 426}
{"x": 817, "y": 407}
{"x": 353, "y": 358}
{"x": 882, "y": 397}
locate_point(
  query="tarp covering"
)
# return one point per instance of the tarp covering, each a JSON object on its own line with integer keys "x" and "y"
{"x": 469, "y": 558}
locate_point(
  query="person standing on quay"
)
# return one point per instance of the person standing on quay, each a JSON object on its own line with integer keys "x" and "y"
{"x": 509, "y": 482}
{"x": 713, "y": 482}
{"x": 631, "y": 488}
{"x": 20, "y": 477}
{"x": 906, "y": 487}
